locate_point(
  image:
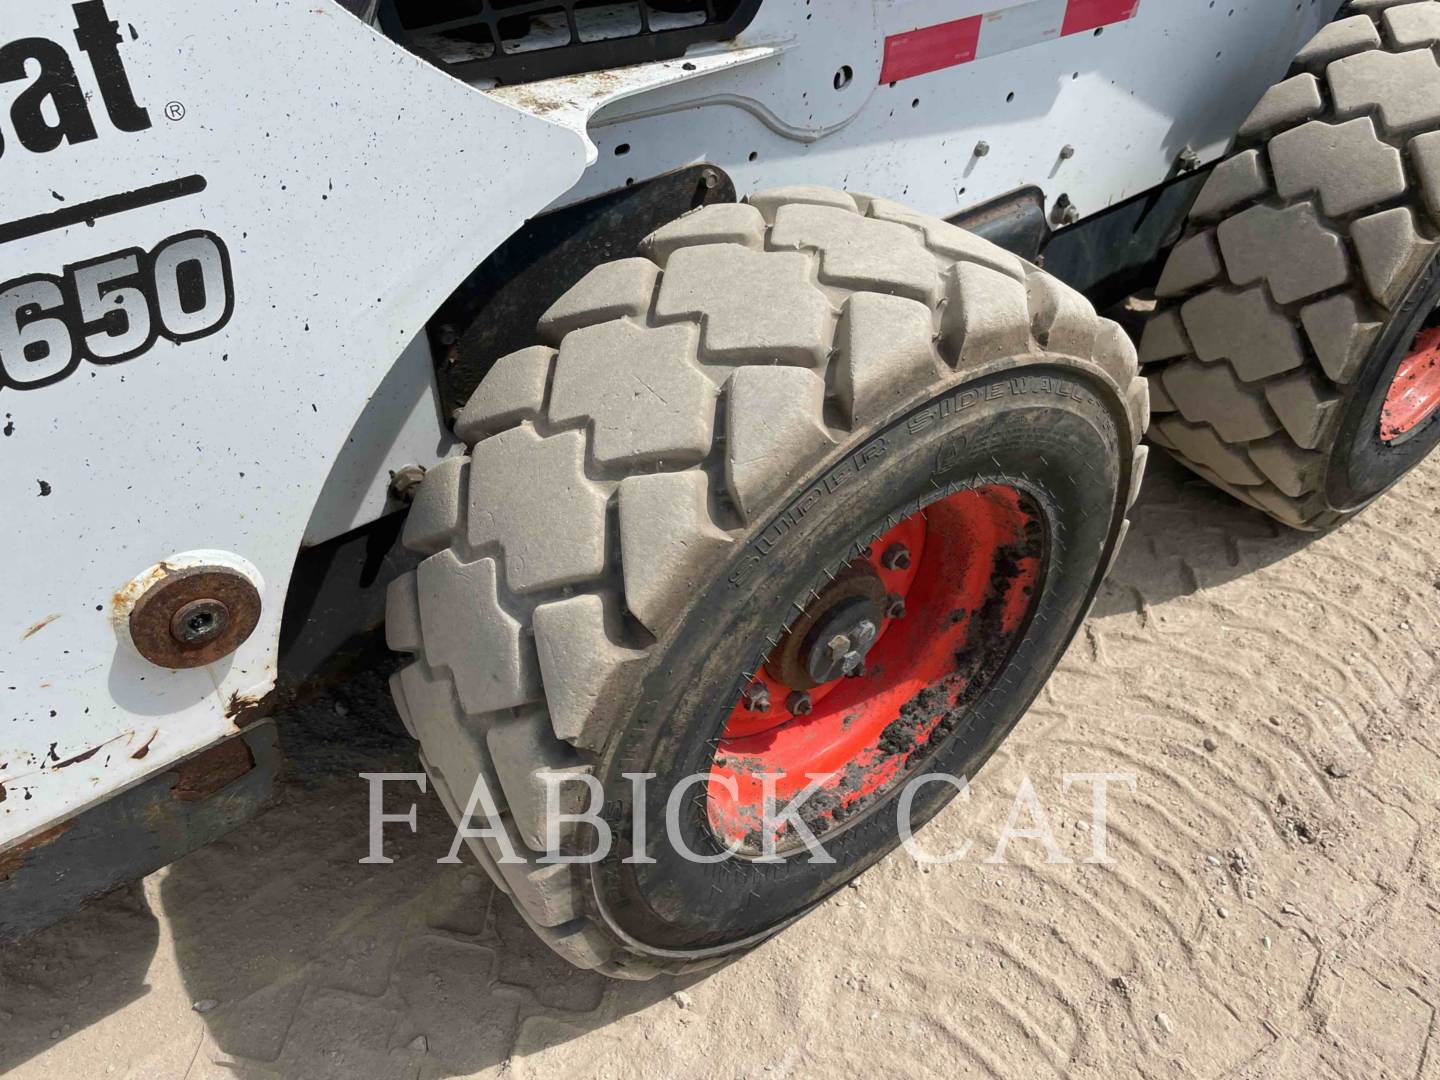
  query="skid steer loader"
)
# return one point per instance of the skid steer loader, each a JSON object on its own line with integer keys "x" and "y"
{"x": 711, "y": 391}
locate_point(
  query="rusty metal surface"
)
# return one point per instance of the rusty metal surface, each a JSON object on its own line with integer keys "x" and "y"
{"x": 209, "y": 772}
{"x": 13, "y": 859}
{"x": 157, "y": 621}
{"x": 199, "y": 799}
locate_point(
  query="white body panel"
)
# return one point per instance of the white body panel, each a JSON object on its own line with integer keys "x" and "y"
{"x": 337, "y": 197}
{"x": 354, "y": 187}
{"x": 1129, "y": 101}
{"x": 402, "y": 425}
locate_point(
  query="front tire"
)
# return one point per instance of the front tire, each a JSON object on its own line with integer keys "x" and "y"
{"x": 659, "y": 496}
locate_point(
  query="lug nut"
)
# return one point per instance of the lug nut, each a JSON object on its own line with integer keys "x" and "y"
{"x": 799, "y": 703}
{"x": 838, "y": 646}
{"x": 757, "y": 697}
{"x": 894, "y": 606}
{"x": 854, "y": 666}
{"x": 896, "y": 557}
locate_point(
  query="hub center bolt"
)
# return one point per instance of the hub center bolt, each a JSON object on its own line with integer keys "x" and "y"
{"x": 199, "y": 621}
{"x": 843, "y": 642}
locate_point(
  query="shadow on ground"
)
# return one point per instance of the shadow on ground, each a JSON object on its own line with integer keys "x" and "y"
{"x": 318, "y": 965}
{"x": 71, "y": 975}
{"x": 1187, "y": 535}
{"x": 306, "y": 963}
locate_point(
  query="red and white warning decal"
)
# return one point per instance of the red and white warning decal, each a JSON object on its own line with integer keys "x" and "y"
{"x": 930, "y": 48}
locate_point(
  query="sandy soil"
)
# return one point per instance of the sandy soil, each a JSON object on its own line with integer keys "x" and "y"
{"x": 1274, "y": 910}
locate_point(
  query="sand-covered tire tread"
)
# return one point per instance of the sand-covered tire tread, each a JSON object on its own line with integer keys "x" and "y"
{"x": 1298, "y": 248}
{"x": 679, "y": 395}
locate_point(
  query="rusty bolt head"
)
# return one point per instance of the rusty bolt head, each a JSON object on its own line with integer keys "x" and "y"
{"x": 199, "y": 621}
{"x": 756, "y": 697}
{"x": 1189, "y": 160}
{"x": 193, "y": 616}
{"x": 894, "y": 606}
{"x": 799, "y": 703}
{"x": 896, "y": 557}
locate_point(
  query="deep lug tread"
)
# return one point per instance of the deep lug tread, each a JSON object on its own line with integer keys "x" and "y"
{"x": 625, "y": 287}
{"x": 511, "y": 392}
{"x": 435, "y": 513}
{"x": 718, "y": 223}
{"x": 587, "y": 523}
{"x": 1325, "y": 213}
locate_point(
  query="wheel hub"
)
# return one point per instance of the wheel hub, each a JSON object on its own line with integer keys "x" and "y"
{"x": 881, "y": 665}
{"x": 835, "y": 634}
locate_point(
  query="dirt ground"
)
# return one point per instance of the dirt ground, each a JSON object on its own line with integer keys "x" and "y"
{"x": 1274, "y": 910}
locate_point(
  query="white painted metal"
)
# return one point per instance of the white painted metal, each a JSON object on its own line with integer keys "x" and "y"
{"x": 1129, "y": 101}
{"x": 401, "y": 426}
{"x": 354, "y": 186}
{"x": 347, "y": 180}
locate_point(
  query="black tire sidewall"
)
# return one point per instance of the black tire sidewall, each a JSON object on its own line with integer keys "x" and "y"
{"x": 1046, "y": 429}
{"x": 1364, "y": 466}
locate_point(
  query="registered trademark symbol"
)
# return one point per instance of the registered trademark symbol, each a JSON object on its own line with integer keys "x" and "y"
{"x": 175, "y": 111}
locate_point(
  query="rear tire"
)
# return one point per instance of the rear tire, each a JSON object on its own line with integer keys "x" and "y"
{"x": 729, "y": 418}
{"x": 1306, "y": 278}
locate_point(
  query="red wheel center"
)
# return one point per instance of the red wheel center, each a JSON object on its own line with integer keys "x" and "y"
{"x": 1415, "y": 394}
{"x": 951, "y": 612}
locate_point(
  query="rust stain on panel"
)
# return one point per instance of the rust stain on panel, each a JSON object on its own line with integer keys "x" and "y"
{"x": 14, "y": 859}
{"x": 247, "y": 709}
{"x": 40, "y": 626}
{"x": 145, "y": 749}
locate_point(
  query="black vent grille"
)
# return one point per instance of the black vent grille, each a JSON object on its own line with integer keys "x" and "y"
{"x": 514, "y": 41}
